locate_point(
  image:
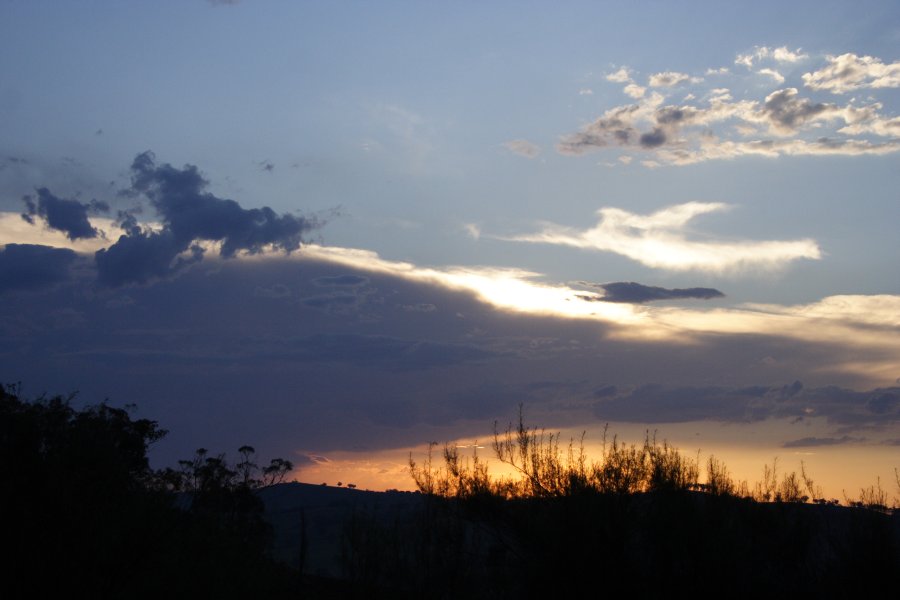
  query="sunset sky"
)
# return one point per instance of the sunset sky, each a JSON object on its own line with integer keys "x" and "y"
{"x": 339, "y": 231}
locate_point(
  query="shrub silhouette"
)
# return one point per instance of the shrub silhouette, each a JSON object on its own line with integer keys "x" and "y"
{"x": 83, "y": 512}
{"x": 638, "y": 521}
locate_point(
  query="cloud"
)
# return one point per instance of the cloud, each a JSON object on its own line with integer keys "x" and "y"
{"x": 682, "y": 134}
{"x": 34, "y": 267}
{"x": 634, "y": 90}
{"x": 656, "y": 403}
{"x": 405, "y": 377}
{"x": 347, "y": 280}
{"x": 276, "y": 291}
{"x": 621, "y": 76}
{"x": 522, "y": 148}
{"x": 785, "y": 112}
{"x": 656, "y": 241}
{"x": 637, "y": 293}
{"x": 189, "y": 213}
{"x": 778, "y": 77}
{"x": 849, "y": 72}
{"x": 781, "y": 55}
{"x": 586, "y": 92}
{"x": 68, "y": 216}
{"x": 667, "y": 79}
{"x": 718, "y": 127}
{"x": 728, "y": 150}
{"x": 811, "y": 442}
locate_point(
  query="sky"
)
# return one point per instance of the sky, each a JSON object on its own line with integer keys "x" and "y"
{"x": 339, "y": 231}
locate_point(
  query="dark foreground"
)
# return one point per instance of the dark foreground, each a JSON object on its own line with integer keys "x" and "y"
{"x": 82, "y": 514}
{"x": 645, "y": 545}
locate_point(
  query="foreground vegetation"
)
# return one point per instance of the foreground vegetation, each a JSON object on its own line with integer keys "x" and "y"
{"x": 545, "y": 470}
{"x": 637, "y": 521}
{"x": 84, "y": 514}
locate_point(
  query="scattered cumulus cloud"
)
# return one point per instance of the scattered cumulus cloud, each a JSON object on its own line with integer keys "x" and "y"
{"x": 631, "y": 88}
{"x": 849, "y": 72}
{"x": 778, "y": 77}
{"x": 586, "y": 92}
{"x": 667, "y": 79}
{"x": 621, "y": 76}
{"x": 634, "y": 90}
{"x": 709, "y": 123}
{"x": 657, "y": 240}
{"x": 761, "y": 53}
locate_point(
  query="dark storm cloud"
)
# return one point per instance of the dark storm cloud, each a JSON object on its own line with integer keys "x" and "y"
{"x": 68, "y": 216}
{"x": 33, "y": 267}
{"x": 189, "y": 213}
{"x": 636, "y": 293}
{"x": 811, "y": 442}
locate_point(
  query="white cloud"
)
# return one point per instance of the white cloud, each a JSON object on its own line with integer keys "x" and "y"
{"x": 621, "y": 76}
{"x": 716, "y": 149}
{"x": 684, "y": 133}
{"x": 778, "y": 77}
{"x": 523, "y": 148}
{"x": 586, "y": 92}
{"x": 657, "y": 241}
{"x": 781, "y": 55}
{"x": 849, "y": 72}
{"x": 667, "y": 79}
{"x": 634, "y": 90}
{"x": 719, "y": 71}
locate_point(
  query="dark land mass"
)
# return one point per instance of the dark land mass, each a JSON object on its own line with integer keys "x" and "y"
{"x": 84, "y": 515}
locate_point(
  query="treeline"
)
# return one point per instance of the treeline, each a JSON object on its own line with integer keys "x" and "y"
{"x": 83, "y": 513}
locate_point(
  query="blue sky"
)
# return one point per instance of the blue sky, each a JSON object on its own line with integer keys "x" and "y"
{"x": 482, "y": 171}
